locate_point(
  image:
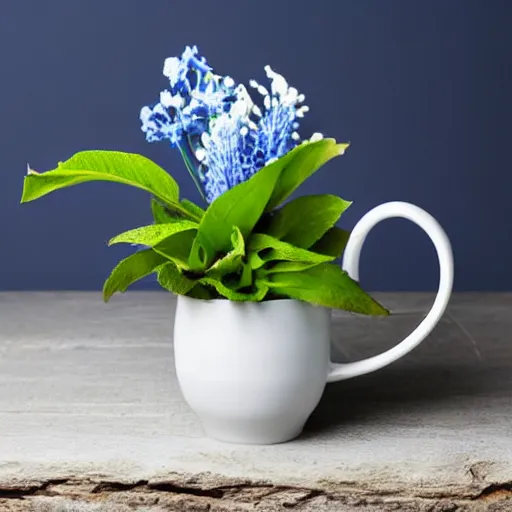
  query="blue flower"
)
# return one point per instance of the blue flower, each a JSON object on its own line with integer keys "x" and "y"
{"x": 245, "y": 139}
{"x": 158, "y": 123}
{"x": 224, "y": 137}
{"x": 195, "y": 95}
{"x": 277, "y": 127}
{"x": 207, "y": 104}
{"x": 186, "y": 73}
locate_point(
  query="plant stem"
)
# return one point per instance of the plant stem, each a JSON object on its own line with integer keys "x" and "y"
{"x": 190, "y": 168}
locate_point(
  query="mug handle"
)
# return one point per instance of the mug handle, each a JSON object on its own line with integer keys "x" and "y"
{"x": 351, "y": 264}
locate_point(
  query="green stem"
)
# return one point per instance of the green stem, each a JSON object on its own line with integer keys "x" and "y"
{"x": 190, "y": 168}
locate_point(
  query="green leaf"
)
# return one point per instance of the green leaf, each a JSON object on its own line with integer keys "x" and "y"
{"x": 202, "y": 292}
{"x": 153, "y": 234}
{"x": 332, "y": 243}
{"x": 246, "y": 276}
{"x": 240, "y": 206}
{"x": 176, "y": 248}
{"x": 255, "y": 261}
{"x": 289, "y": 266}
{"x": 325, "y": 285}
{"x": 170, "y": 278}
{"x": 192, "y": 208}
{"x": 299, "y": 164}
{"x": 131, "y": 269}
{"x": 115, "y": 166}
{"x": 256, "y": 295}
{"x": 160, "y": 214}
{"x": 305, "y": 220}
{"x": 232, "y": 261}
{"x": 268, "y": 248}
{"x": 232, "y": 266}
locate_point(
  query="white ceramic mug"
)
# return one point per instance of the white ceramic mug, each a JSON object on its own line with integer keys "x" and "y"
{"x": 254, "y": 372}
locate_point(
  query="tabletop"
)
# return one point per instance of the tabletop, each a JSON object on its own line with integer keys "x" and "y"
{"x": 91, "y": 412}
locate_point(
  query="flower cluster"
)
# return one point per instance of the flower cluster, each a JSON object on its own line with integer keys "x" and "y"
{"x": 224, "y": 137}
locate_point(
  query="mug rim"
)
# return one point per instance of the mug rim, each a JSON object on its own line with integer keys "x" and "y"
{"x": 284, "y": 299}
{"x": 262, "y": 303}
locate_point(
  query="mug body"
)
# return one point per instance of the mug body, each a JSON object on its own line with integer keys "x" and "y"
{"x": 252, "y": 371}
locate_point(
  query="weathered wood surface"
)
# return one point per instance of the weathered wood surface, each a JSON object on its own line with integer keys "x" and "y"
{"x": 90, "y": 411}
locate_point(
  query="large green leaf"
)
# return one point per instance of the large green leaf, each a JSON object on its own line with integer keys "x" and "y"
{"x": 233, "y": 266}
{"x": 255, "y": 261}
{"x": 203, "y": 292}
{"x": 126, "y": 168}
{"x": 305, "y": 220}
{"x": 324, "y": 285}
{"x": 264, "y": 248}
{"x": 176, "y": 248}
{"x": 160, "y": 214}
{"x": 299, "y": 164}
{"x": 154, "y": 233}
{"x": 256, "y": 295}
{"x": 131, "y": 269}
{"x": 332, "y": 243}
{"x": 246, "y": 276}
{"x": 240, "y": 206}
{"x": 232, "y": 261}
{"x": 171, "y": 279}
{"x": 192, "y": 208}
{"x": 289, "y": 266}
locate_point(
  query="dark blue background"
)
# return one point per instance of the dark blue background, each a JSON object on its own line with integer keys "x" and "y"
{"x": 421, "y": 89}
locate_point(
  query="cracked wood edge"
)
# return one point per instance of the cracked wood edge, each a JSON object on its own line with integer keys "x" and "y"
{"x": 218, "y": 494}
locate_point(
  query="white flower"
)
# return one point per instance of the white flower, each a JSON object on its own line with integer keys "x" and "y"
{"x": 229, "y": 82}
{"x": 244, "y": 101}
{"x": 145, "y": 114}
{"x": 316, "y": 137}
{"x": 200, "y": 154}
{"x": 257, "y": 110}
{"x": 302, "y": 110}
{"x": 171, "y": 68}
{"x": 205, "y": 139}
{"x": 279, "y": 85}
{"x": 291, "y": 96}
{"x": 168, "y": 100}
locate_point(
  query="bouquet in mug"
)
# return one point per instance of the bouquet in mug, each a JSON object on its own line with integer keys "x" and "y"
{"x": 246, "y": 157}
